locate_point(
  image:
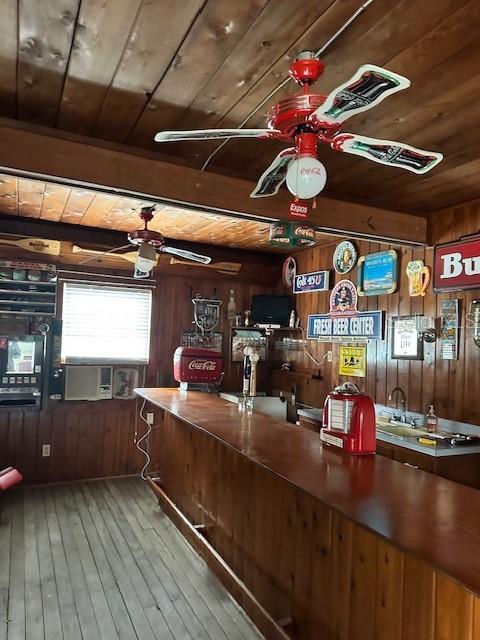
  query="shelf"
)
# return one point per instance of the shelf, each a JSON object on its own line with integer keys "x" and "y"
{"x": 27, "y": 313}
{"x": 29, "y": 282}
{"x": 28, "y": 292}
{"x": 23, "y": 303}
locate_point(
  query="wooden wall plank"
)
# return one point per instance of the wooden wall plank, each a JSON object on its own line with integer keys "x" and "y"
{"x": 45, "y": 32}
{"x": 8, "y": 56}
{"x": 158, "y": 30}
{"x": 453, "y": 611}
{"x": 101, "y": 33}
{"x": 418, "y": 600}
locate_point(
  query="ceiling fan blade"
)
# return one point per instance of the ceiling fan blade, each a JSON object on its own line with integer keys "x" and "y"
{"x": 274, "y": 176}
{"x": 393, "y": 154}
{"x": 130, "y": 256}
{"x": 366, "y": 89}
{"x": 183, "y": 253}
{"x": 223, "y": 267}
{"x": 209, "y": 134}
{"x": 36, "y": 245}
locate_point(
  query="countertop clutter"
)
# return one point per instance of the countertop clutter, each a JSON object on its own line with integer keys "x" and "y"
{"x": 400, "y": 504}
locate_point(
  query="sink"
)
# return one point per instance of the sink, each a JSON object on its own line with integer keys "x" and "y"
{"x": 401, "y": 431}
{"x": 271, "y": 405}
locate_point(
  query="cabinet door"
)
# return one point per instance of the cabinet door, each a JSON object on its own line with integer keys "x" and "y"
{"x": 464, "y": 469}
{"x": 414, "y": 459}
{"x": 384, "y": 449}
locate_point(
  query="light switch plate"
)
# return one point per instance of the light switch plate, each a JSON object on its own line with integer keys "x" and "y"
{"x": 45, "y": 450}
{"x": 150, "y": 417}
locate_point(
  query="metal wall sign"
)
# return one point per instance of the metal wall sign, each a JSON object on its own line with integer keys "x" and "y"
{"x": 457, "y": 265}
{"x": 364, "y": 325}
{"x": 344, "y": 257}
{"x": 352, "y": 361}
{"x": 450, "y": 320}
{"x": 343, "y": 299}
{"x": 313, "y": 281}
{"x": 377, "y": 273}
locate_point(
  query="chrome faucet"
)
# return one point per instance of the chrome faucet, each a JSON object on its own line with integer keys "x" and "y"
{"x": 403, "y": 402}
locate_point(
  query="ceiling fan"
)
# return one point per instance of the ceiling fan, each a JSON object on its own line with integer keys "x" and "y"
{"x": 149, "y": 244}
{"x": 307, "y": 118}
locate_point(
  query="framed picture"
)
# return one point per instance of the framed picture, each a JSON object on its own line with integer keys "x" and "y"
{"x": 450, "y": 322}
{"x": 246, "y": 337}
{"x": 406, "y": 341}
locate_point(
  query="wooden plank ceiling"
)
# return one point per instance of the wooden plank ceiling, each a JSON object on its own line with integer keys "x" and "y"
{"x": 73, "y": 205}
{"x": 122, "y": 70}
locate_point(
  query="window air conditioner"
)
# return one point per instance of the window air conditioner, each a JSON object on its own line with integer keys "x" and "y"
{"x": 88, "y": 383}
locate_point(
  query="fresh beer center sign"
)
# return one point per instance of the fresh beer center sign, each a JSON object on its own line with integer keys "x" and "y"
{"x": 457, "y": 265}
{"x": 365, "y": 324}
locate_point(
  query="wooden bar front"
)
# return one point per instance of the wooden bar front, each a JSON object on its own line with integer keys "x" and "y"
{"x": 345, "y": 547}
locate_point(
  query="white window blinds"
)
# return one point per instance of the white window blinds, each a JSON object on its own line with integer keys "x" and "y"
{"x": 105, "y": 324}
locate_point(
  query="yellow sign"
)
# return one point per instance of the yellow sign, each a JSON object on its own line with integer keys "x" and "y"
{"x": 352, "y": 361}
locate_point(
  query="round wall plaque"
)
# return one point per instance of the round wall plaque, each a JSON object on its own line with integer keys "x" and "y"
{"x": 344, "y": 257}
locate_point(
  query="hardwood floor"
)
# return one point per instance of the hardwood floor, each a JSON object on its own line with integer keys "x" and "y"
{"x": 101, "y": 560}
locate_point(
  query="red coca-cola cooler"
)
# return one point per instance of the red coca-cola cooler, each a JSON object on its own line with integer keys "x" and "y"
{"x": 196, "y": 365}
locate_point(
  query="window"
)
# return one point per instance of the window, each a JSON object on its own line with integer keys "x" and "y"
{"x": 105, "y": 324}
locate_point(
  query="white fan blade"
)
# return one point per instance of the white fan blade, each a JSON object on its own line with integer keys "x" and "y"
{"x": 272, "y": 178}
{"x": 131, "y": 256}
{"x": 393, "y": 154}
{"x": 365, "y": 89}
{"x": 188, "y": 255}
{"x": 210, "y": 134}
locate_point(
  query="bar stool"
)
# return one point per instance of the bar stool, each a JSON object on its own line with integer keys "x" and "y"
{"x": 9, "y": 477}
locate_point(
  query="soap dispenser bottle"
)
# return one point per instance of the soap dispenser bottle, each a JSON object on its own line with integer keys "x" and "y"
{"x": 431, "y": 420}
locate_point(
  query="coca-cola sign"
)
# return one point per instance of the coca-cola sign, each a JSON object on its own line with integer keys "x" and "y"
{"x": 202, "y": 365}
{"x": 457, "y": 265}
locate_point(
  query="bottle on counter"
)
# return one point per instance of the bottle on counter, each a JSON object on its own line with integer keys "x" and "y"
{"x": 431, "y": 421}
{"x": 231, "y": 307}
{"x": 292, "y": 320}
{"x": 247, "y": 318}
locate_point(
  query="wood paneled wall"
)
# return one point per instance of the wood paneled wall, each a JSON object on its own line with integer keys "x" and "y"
{"x": 96, "y": 439}
{"x": 454, "y": 387}
{"x": 302, "y": 560}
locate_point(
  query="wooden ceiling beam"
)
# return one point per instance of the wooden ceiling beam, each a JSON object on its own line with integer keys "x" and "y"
{"x": 41, "y": 152}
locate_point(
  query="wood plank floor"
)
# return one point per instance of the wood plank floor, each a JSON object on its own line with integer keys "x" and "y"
{"x": 101, "y": 560}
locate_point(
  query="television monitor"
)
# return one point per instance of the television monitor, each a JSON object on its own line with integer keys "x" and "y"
{"x": 271, "y": 309}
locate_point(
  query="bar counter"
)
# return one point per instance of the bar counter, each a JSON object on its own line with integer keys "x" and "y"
{"x": 425, "y": 529}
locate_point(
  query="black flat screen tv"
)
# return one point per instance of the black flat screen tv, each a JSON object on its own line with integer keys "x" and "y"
{"x": 271, "y": 310}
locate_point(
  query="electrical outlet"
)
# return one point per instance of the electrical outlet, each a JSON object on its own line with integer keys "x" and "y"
{"x": 45, "y": 450}
{"x": 150, "y": 417}
{"x": 329, "y": 356}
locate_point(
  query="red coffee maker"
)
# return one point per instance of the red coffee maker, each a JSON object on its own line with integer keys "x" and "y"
{"x": 349, "y": 422}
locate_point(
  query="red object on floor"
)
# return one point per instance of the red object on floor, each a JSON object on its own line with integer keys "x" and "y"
{"x": 9, "y": 477}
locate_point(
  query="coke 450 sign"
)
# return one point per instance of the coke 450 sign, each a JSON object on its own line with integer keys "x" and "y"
{"x": 457, "y": 265}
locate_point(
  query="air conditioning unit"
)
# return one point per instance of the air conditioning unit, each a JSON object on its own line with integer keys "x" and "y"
{"x": 88, "y": 383}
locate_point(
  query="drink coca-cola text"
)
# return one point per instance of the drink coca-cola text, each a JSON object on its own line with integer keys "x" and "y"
{"x": 202, "y": 365}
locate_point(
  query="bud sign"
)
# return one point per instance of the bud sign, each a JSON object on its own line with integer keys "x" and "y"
{"x": 457, "y": 265}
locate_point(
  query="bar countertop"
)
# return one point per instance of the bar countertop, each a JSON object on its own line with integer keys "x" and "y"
{"x": 426, "y": 516}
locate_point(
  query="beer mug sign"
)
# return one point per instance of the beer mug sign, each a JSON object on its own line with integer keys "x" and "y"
{"x": 418, "y": 278}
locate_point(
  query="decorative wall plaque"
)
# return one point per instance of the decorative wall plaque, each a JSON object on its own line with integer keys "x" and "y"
{"x": 377, "y": 273}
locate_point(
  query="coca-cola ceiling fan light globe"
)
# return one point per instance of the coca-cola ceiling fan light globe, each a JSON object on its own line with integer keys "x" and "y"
{"x": 306, "y": 118}
{"x": 306, "y": 177}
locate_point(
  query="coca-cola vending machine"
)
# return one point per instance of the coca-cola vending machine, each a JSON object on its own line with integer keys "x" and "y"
{"x": 197, "y": 367}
